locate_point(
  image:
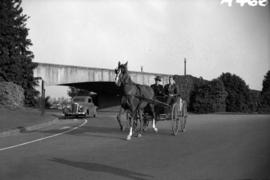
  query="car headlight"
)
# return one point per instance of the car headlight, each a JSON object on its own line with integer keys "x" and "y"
{"x": 81, "y": 108}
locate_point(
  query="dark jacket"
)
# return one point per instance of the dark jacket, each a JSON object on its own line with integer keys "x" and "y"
{"x": 158, "y": 89}
{"x": 171, "y": 89}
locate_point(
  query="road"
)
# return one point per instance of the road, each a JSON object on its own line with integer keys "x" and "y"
{"x": 214, "y": 147}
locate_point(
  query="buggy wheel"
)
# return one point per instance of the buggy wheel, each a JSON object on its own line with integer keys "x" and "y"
{"x": 183, "y": 117}
{"x": 175, "y": 118}
{"x": 183, "y": 121}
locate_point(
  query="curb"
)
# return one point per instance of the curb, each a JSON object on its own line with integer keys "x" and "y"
{"x": 27, "y": 128}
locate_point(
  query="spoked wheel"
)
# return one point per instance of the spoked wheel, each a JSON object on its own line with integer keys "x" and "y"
{"x": 183, "y": 121}
{"x": 183, "y": 117}
{"x": 175, "y": 118}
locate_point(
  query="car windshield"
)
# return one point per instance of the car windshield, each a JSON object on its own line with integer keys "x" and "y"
{"x": 79, "y": 99}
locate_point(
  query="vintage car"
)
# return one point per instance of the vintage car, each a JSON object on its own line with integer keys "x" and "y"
{"x": 80, "y": 106}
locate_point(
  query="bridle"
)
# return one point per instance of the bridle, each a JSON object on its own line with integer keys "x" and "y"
{"x": 117, "y": 77}
{"x": 121, "y": 77}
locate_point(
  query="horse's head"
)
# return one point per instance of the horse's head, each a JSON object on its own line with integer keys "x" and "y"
{"x": 121, "y": 75}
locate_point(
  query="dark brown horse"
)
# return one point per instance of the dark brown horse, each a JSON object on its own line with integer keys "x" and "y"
{"x": 135, "y": 97}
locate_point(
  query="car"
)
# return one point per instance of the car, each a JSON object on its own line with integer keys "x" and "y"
{"x": 80, "y": 106}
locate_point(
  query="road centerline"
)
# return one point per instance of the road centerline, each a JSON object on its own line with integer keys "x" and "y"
{"x": 44, "y": 138}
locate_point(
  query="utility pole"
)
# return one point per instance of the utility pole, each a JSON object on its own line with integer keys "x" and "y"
{"x": 185, "y": 66}
{"x": 185, "y": 79}
{"x": 42, "y": 97}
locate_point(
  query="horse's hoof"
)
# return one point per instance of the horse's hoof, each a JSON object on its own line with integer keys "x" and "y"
{"x": 139, "y": 135}
{"x": 128, "y": 138}
{"x": 156, "y": 130}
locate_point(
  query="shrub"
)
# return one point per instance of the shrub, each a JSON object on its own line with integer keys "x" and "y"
{"x": 11, "y": 95}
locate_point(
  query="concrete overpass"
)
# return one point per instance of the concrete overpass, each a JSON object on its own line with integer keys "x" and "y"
{"x": 56, "y": 74}
{"x": 99, "y": 80}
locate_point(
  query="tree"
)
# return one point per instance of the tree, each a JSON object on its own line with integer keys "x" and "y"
{"x": 255, "y": 97}
{"x": 266, "y": 82}
{"x": 238, "y": 98}
{"x": 265, "y": 94}
{"x": 200, "y": 100}
{"x": 15, "y": 57}
{"x": 209, "y": 97}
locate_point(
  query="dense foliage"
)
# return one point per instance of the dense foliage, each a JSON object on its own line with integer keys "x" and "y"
{"x": 208, "y": 97}
{"x": 238, "y": 99}
{"x": 227, "y": 93}
{"x": 266, "y": 83}
{"x": 186, "y": 85}
{"x": 265, "y": 94}
{"x": 11, "y": 95}
{"x": 15, "y": 57}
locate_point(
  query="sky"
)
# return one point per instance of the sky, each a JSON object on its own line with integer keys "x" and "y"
{"x": 155, "y": 34}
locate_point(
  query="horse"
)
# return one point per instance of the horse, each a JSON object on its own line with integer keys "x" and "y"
{"x": 134, "y": 98}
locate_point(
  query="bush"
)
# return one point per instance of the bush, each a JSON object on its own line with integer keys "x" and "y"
{"x": 209, "y": 97}
{"x": 238, "y": 99}
{"x": 11, "y": 95}
{"x": 186, "y": 85}
{"x": 265, "y": 94}
{"x": 15, "y": 57}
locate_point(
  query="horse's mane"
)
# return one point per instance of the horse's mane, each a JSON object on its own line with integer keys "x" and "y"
{"x": 125, "y": 73}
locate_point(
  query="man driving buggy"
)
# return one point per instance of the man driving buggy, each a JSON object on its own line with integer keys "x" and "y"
{"x": 157, "y": 87}
{"x": 158, "y": 94}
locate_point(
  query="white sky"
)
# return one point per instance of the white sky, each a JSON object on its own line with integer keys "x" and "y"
{"x": 155, "y": 34}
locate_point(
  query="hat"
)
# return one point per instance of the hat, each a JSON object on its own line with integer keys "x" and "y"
{"x": 157, "y": 78}
{"x": 172, "y": 77}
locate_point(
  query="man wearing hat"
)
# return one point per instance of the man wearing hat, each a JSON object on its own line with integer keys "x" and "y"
{"x": 157, "y": 87}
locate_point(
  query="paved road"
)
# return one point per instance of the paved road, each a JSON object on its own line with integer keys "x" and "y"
{"x": 233, "y": 147}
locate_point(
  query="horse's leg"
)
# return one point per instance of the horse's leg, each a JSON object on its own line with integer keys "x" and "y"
{"x": 135, "y": 122}
{"x": 154, "y": 118}
{"x": 145, "y": 124}
{"x": 141, "y": 123}
{"x": 118, "y": 117}
{"x": 145, "y": 120}
{"x": 131, "y": 123}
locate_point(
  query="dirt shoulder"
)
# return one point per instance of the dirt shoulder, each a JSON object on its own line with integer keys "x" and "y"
{"x": 13, "y": 119}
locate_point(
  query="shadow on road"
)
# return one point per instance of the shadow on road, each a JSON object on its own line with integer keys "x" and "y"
{"x": 95, "y": 167}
